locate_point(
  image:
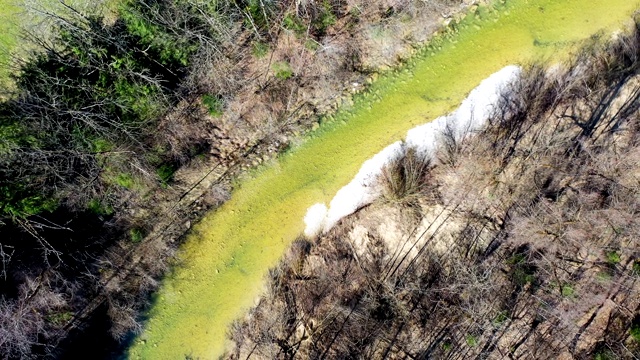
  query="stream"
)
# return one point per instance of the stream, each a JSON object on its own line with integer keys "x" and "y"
{"x": 228, "y": 253}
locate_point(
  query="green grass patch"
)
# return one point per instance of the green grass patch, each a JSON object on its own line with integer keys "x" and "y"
{"x": 136, "y": 235}
{"x": 471, "y": 340}
{"x": 293, "y": 23}
{"x": 165, "y": 172}
{"x": 605, "y": 354}
{"x": 311, "y": 44}
{"x": 568, "y": 291}
{"x": 60, "y": 318}
{"x": 613, "y": 258}
{"x": 259, "y": 49}
{"x": 634, "y": 331}
{"x": 225, "y": 259}
{"x": 125, "y": 180}
{"x": 101, "y": 145}
{"x": 214, "y": 105}
{"x": 501, "y": 318}
{"x": 97, "y": 207}
{"x": 282, "y": 70}
{"x": 635, "y": 268}
{"x": 9, "y": 20}
{"x": 447, "y": 346}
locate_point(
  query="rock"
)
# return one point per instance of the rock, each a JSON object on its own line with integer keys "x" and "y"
{"x": 187, "y": 225}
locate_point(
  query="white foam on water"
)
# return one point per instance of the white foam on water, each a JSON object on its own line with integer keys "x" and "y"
{"x": 471, "y": 116}
{"x": 315, "y": 219}
{"x": 361, "y": 190}
{"x": 473, "y": 113}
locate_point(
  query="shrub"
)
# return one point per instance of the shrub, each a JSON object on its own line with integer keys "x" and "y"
{"x": 404, "y": 180}
{"x": 97, "y": 207}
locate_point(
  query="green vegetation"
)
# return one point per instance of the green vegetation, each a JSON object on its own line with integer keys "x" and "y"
{"x": 326, "y": 18}
{"x": 568, "y": 291}
{"x": 81, "y": 146}
{"x": 635, "y": 333}
{"x": 108, "y": 100}
{"x": 136, "y": 235}
{"x": 165, "y": 172}
{"x": 613, "y": 258}
{"x": 471, "y": 340}
{"x": 291, "y": 22}
{"x": 97, "y": 207}
{"x": 259, "y": 49}
{"x": 8, "y": 38}
{"x": 124, "y": 180}
{"x": 107, "y": 107}
{"x": 282, "y": 70}
{"x": 501, "y": 318}
{"x": 635, "y": 268}
{"x": 523, "y": 272}
{"x": 230, "y": 250}
{"x": 60, "y": 318}
{"x": 605, "y": 355}
{"x": 213, "y": 104}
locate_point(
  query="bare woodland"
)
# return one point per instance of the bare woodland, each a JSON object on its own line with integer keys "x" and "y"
{"x": 519, "y": 242}
{"x": 116, "y": 188}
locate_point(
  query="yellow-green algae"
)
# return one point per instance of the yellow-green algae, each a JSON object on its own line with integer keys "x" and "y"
{"x": 9, "y": 14}
{"x": 226, "y": 257}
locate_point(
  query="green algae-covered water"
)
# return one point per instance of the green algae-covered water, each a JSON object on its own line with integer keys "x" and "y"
{"x": 227, "y": 255}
